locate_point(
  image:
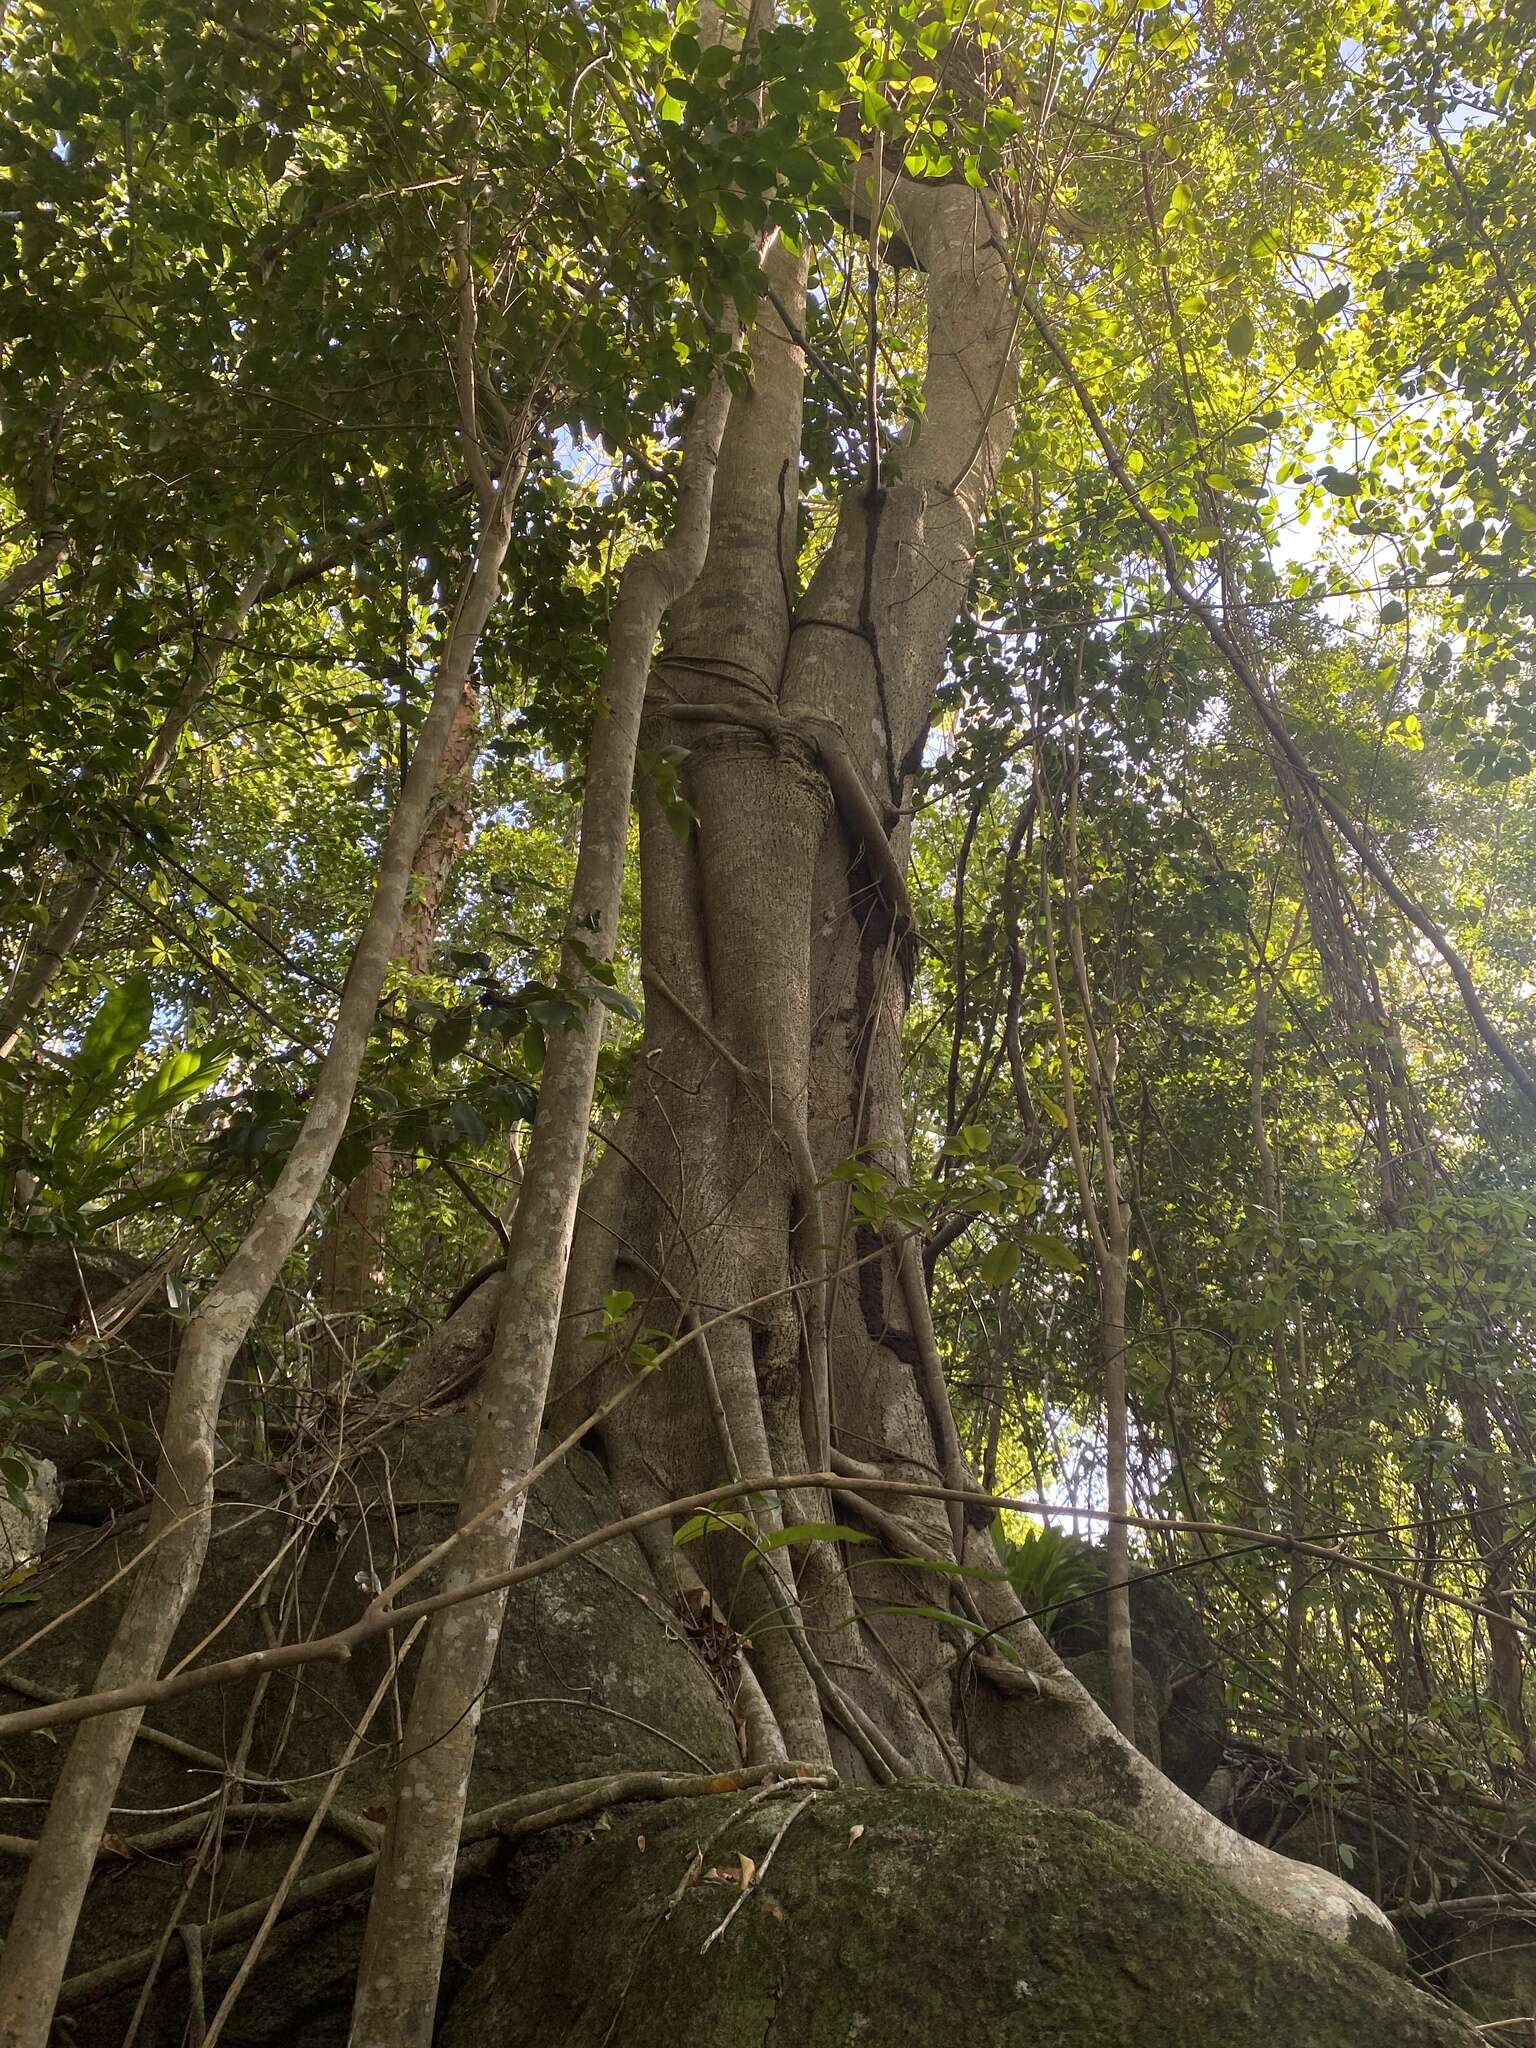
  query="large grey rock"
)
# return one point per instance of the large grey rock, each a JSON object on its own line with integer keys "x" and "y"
{"x": 1171, "y": 1640}
{"x": 594, "y": 1673}
{"x": 25, "y": 1512}
{"x": 1382, "y": 1852}
{"x": 917, "y": 1915}
{"x": 1493, "y": 1974}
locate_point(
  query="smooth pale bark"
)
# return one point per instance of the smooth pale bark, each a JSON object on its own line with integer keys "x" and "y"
{"x": 77, "y": 894}
{"x": 353, "y": 1246}
{"x": 42, "y": 1928}
{"x": 408, "y": 1915}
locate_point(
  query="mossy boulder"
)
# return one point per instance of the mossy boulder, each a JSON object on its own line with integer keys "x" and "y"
{"x": 1384, "y": 1852}
{"x": 595, "y": 1672}
{"x": 915, "y": 1915}
{"x": 1092, "y": 1673}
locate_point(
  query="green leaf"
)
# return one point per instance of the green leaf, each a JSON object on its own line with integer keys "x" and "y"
{"x": 814, "y": 1532}
{"x": 1241, "y": 336}
{"x": 1000, "y": 1263}
{"x": 709, "y": 1522}
{"x": 618, "y": 1000}
{"x": 184, "y": 1077}
{"x": 116, "y": 1032}
{"x": 468, "y": 1121}
{"x": 946, "y": 1568}
{"x": 1052, "y": 1251}
{"x": 951, "y": 1620}
{"x": 450, "y": 1036}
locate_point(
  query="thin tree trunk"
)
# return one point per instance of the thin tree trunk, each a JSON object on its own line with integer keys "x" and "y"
{"x": 1287, "y": 1405}
{"x": 42, "y": 1929}
{"x": 1489, "y": 1522}
{"x": 351, "y": 1253}
{"x": 408, "y": 1916}
{"x": 1108, "y": 1225}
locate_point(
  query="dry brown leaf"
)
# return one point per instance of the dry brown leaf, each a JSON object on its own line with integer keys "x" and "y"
{"x": 748, "y": 1868}
{"x": 601, "y": 1823}
{"x": 640, "y": 1843}
{"x": 854, "y": 1832}
{"x": 117, "y": 1845}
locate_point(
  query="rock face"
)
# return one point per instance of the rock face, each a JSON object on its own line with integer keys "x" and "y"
{"x": 1172, "y": 1643}
{"x": 46, "y": 1299}
{"x": 1493, "y": 1974}
{"x": 921, "y": 1916}
{"x": 1379, "y": 1859}
{"x": 25, "y": 1514}
{"x": 594, "y": 1673}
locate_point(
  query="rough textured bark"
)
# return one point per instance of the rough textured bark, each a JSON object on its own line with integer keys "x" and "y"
{"x": 777, "y": 957}
{"x": 42, "y": 1928}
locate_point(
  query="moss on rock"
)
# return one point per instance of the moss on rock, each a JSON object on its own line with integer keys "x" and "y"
{"x": 594, "y": 1673}
{"x": 921, "y": 1916}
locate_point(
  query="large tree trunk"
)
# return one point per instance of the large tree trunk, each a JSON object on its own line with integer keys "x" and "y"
{"x": 778, "y": 961}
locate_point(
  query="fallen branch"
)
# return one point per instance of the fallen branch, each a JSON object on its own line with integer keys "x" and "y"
{"x": 180, "y": 1833}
